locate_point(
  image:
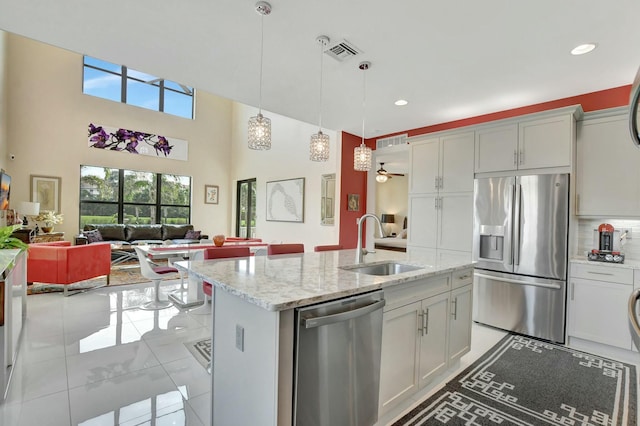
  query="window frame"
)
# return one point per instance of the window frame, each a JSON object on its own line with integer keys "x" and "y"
{"x": 124, "y": 77}
{"x": 156, "y": 207}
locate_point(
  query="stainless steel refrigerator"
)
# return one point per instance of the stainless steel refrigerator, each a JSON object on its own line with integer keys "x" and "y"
{"x": 520, "y": 235}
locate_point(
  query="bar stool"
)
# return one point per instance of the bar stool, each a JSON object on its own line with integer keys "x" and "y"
{"x": 330, "y": 247}
{"x": 285, "y": 249}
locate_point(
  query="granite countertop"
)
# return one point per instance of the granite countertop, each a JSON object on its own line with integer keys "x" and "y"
{"x": 7, "y": 260}
{"x": 278, "y": 283}
{"x": 628, "y": 263}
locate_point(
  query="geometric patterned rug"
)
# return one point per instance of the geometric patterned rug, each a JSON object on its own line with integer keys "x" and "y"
{"x": 201, "y": 350}
{"x": 525, "y": 381}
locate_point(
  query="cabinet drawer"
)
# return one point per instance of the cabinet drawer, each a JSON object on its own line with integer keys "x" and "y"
{"x": 461, "y": 278}
{"x": 404, "y": 294}
{"x": 602, "y": 273}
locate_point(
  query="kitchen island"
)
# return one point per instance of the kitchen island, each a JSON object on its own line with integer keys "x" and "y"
{"x": 253, "y": 322}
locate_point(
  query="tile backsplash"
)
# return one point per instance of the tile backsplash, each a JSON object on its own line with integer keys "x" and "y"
{"x": 631, "y": 248}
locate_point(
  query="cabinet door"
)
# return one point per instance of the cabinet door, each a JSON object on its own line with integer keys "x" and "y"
{"x": 433, "y": 337}
{"x": 456, "y": 162}
{"x": 423, "y": 221}
{"x": 424, "y": 162}
{"x": 598, "y": 312}
{"x": 496, "y": 149}
{"x": 607, "y": 168}
{"x": 400, "y": 351}
{"x": 460, "y": 322}
{"x": 455, "y": 214}
{"x": 546, "y": 142}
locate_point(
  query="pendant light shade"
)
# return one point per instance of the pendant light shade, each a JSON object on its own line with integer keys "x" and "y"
{"x": 319, "y": 145}
{"x": 259, "y": 130}
{"x": 362, "y": 153}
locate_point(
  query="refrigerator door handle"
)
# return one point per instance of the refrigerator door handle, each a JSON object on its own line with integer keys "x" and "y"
{"x": 508, "y": 280}
{"x": 517, "y": 228}
{"x": 509, "y": 232}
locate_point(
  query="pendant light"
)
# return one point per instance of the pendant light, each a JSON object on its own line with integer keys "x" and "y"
{"x": 260, "y": 126}
{"x": 319, "y": 146}
{"x": 362, "y": 153}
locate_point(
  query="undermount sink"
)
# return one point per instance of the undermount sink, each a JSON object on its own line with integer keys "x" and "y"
{"x": 387, "y": 268}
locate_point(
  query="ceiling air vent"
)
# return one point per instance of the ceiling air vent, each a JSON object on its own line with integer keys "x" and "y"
{"x": 391, "y": 141}
{"x": 342, "y": 51}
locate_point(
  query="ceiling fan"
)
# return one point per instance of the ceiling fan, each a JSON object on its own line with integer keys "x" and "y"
{"x": 382, "y": 175}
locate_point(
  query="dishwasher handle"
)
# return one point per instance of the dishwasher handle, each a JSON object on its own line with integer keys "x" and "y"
{"x": 342, "y": 316}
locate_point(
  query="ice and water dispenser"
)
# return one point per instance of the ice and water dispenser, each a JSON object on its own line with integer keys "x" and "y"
{"x": 492, "y": 242}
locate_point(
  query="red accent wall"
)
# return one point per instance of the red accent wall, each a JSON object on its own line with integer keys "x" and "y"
{"x": 351, "y": 182}
{"x": 356, "y": 182}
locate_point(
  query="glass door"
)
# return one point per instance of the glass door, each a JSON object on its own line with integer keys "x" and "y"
{"x": 246, "y": 208}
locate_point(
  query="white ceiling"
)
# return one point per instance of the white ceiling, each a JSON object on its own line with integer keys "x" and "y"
{"x": 450, "y": 59}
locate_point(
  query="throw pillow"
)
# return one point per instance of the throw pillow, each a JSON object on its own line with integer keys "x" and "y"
{"x": 192, "y": 235}
{"x": 93, "y": 236}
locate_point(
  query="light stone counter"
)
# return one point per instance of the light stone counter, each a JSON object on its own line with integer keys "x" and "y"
{"x": 628, "y": 263}
{"x": 278, "y": 283}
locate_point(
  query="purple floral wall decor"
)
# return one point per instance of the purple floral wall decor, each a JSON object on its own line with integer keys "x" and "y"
{"x": 135, "y": 142}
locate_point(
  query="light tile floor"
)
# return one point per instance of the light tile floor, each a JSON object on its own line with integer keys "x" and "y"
{"x": 96, "y": 359}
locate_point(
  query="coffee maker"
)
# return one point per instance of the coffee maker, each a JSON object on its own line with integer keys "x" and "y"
{"x": 607, "y": 239}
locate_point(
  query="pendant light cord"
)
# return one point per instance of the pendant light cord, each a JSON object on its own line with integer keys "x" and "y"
{"x": 261, "y": 57}
{"x": 364, "y": 96}
{"x": 320, "y": 112}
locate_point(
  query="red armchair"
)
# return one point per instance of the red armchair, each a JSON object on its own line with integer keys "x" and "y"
{"x": 61, "y": 263}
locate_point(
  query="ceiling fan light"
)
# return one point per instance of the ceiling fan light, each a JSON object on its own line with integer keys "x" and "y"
{"x": 319, "y": 147}
{"x": 362, "y": 158}
{"x": 259, "y": 132}
{"x": 381, "y": 178}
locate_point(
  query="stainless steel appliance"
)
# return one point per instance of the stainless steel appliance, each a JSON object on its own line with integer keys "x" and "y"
{"x": 520, "y": 246}
{"x": 337, "y": 364}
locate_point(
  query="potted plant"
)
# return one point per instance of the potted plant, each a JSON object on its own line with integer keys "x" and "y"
{"x": 49, "y": 219}
{"x": 7, "y": 241}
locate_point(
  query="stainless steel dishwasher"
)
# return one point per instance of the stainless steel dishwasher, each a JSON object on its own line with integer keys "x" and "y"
{"x": 337, "y": 363}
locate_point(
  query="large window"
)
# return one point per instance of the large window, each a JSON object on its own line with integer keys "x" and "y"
{"x": 128, "y": 196}
{"x": 121, "y": 84}
{"x": 246, "y": 209}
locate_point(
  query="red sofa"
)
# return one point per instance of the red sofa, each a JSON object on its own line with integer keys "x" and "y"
{"x": 61, "y": 263}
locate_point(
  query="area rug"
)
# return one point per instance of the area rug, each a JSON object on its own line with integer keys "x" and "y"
{"x": 201, "y": 350}
{"x": 129, "y": 274}
{"x": 524, "y": 381}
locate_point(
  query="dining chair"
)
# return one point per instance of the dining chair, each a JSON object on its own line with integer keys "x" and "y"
{"x": 285, "y": 249}
{"x": 329, "y": 247}
{"x": 155, "y": 274}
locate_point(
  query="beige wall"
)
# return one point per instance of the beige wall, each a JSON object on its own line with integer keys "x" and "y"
{"x": 288, "y": 158}
{"x": 47, "y": 132}
{"x": 392, "y": 198}
{"x": 3, "y": 98}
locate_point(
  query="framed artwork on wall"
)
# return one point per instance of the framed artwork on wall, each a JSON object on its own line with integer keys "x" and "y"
{"x": 211, "y": 194}
{"x": 285, "y": 200}
{"x": 46, "y": 191}
{"x": 353, "y": 202}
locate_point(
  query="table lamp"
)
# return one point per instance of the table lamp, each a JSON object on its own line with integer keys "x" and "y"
{"x": 28, "y": 208}
{"x": 387, "y": 218}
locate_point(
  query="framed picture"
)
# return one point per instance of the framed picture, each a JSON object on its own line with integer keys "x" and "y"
{"x": 353, "y": 202}
{"x": 285, "y": 200}
{"x": 211, "y": 194}
{"x": 46, "y": 191}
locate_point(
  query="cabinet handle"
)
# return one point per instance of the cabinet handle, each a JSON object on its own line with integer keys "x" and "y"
{"x": 573, "y": 290}
{"x": 426, "y": 321}
{"x": 435, "y": 182}
{"x": 521, "y": 156}
{"x": 421, "y": 328}
{"x": 454, "y": 314}
{"x": 435, "y": 203}
{"x": 441, "y": 179}
{"x": 440, "y": 203}
{"x": 577, "y": 203}
{"x": 464, "y": 277}
{"x": 599, "y": 273}
{"x": 515, "y": 157}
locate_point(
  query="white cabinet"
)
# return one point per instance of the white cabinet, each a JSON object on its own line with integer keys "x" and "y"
{"x": 441, "y": 192}
{"x": 442, "y": 164}
{"x": 598, "y": 304}
{"x": 426, "y": 327}
{"x": 539, "y": 143}
{"x": 443, "y": 222}
{"x": 607, "y": 168}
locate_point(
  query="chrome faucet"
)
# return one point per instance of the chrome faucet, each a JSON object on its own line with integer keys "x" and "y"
{"x": 360, "y": 252}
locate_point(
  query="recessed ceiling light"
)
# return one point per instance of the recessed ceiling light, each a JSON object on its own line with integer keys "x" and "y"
{"x": 583, "y": 48}
{"x": 401, "y": 102}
